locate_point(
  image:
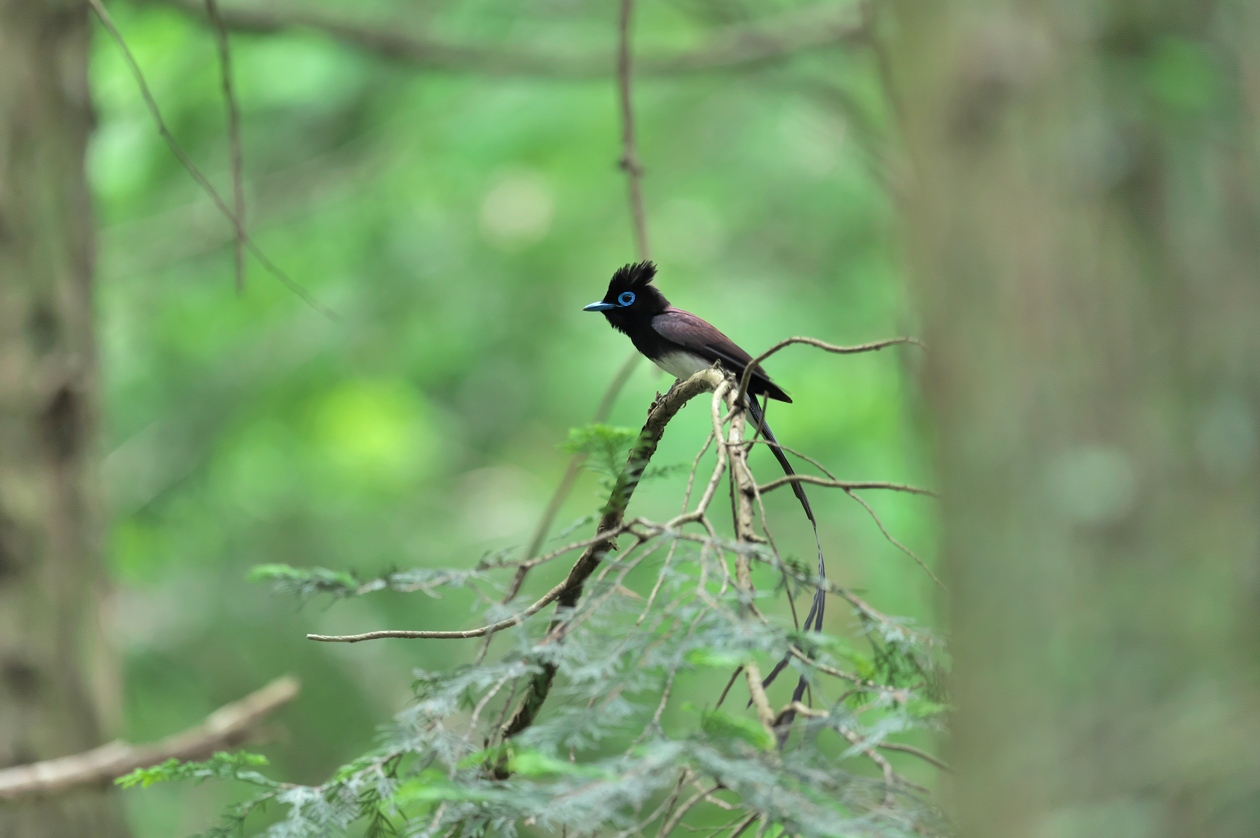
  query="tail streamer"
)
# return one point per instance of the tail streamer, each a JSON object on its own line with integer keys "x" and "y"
{"x": 813, "y": 619}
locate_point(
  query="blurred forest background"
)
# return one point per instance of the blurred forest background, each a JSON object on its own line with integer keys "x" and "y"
{"x": 1063, "y": 199}
{"x": 456, "y": 219}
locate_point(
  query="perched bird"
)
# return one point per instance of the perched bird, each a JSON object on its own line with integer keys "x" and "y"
{"x": 682, "y": 344}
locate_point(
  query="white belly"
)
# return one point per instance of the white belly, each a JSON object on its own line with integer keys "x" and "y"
{"x": 682, "y": 364}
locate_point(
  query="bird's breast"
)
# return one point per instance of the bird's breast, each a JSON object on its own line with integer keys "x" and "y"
{"x": 681, "y": 364}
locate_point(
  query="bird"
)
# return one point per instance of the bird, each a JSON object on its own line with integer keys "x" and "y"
{"x": 682, "y": 344}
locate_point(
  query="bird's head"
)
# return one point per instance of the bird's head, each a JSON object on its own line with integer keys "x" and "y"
{"x": 631, "y": 297}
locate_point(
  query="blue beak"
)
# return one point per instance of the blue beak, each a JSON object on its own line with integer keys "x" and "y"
{"x": 599, "y": 307}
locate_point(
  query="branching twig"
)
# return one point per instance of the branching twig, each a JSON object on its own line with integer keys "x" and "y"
{"x": 874, "y": 346}
{"x": 894, "y": 542}
{"x": 196, "y": 173}
{"x": 227, "y": 727}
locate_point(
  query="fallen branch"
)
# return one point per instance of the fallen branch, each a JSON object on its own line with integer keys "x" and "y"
{"x": 228, "y": 727}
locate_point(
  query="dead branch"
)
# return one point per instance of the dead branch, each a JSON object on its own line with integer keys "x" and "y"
{"x": 228, "y": 727}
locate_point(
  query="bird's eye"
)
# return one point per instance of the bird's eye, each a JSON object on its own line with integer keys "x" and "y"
{"x": 625, "y": 298}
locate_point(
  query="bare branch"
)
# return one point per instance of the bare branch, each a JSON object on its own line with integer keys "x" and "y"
{"x": 894, "y": 542}
{"x": 733, "y": 48}
{"x": 916, "y": 752}
{"x": 846, "y": 485}
{"x": 874, "y": 346}
{"x": 227, "y": 727}
{"x": 406, "y": 634}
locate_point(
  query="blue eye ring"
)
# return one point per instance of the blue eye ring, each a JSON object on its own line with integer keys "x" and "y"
{"x": 625, "y": 298}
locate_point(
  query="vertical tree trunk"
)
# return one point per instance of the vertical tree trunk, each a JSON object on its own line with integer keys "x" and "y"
{"x": 1084, "y": 222}
{"x": 1085, "y": 236}
{"x": 49, "y": 522}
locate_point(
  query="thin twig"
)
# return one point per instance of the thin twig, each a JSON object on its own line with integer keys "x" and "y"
{"x": 903, "y": 548}
{"x": 744, "y": 824}
{"x": 681, "y": 811}
{"x": 916, "y": 752}
{"x": 515, "y": 620}
{"x": 874, "y": 346}
{"x": 234, "y": 137}
{"x": 846, "y": 485}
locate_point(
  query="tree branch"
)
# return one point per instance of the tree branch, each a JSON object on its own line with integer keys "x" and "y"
{"x": 733, "y": 48}
{"x": 634, "y": 173}
{"x": 515, "y": 619}
{"x": 874, "y": 346}
{"x": 663, "y": 410}
{"x": 229, "y": 726}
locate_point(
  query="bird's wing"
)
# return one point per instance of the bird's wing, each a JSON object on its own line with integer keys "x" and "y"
{"x": 700, "y": 337}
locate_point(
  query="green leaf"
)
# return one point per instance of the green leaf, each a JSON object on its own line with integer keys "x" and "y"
{"x": 528, "y": 763}
{"x": 605, "y": 447}
{"x": 435, "y": 789}
{"x": 705, "y": 656}
{"x": 304, "y": 582}
{"x": 721, "y": 725}
{"x": 221, "y": 765}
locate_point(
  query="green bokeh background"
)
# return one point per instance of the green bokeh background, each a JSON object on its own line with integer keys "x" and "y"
{"x": 456, "y": 222}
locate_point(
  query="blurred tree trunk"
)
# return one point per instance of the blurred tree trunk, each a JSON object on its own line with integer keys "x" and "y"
{"x": 1084, "y": 230}
{"x": 49, "y": 523}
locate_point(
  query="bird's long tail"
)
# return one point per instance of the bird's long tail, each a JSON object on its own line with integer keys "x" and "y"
{"x": 814, "y": 619}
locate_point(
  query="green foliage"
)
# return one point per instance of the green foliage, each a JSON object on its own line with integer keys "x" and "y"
{"x": 610, "y": 744}
{"x": 604, "y": 752}
{"x": 723, "y": 726}
{"x": 304, "y": 582}
{"x": 604, "y": 447}
{"x": 222, "y": 765}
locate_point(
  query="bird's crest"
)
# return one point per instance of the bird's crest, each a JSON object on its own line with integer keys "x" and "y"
{"x": 634, "y": 275}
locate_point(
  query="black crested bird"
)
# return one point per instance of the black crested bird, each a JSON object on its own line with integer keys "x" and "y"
{"x": 682, "y": 344}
